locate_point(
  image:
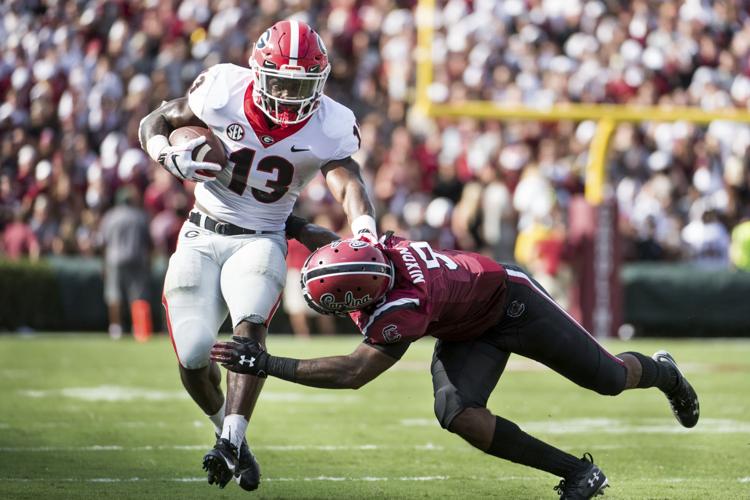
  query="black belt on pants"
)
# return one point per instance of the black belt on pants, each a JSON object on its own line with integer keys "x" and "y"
{"x": 224, "y": 228}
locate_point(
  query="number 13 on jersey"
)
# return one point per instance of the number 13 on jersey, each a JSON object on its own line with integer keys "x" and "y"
{"x": 274, "y": 173}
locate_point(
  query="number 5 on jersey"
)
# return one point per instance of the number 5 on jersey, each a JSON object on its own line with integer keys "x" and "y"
{"x": 432, "y": 258}
{"x": 281, "y": 171}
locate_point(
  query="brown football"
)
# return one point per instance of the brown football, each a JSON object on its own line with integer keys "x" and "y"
{"x": 211, "y": 150}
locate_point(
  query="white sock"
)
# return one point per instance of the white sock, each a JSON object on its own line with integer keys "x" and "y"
{"x": 218, "y": 418}
{"x": 234, "y": 429}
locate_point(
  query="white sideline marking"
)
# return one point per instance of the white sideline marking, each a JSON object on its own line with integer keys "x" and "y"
{"x": 744, "y": 480}
{"x": 615, "y": 426}
{"x": 116, "y": 393}
{"x": 199, "y": 447}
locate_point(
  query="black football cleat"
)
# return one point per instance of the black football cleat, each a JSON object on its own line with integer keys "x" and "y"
{"x": 247, "y": 474}
{"x": 221, "y": 462}
{"x": 587, "y": 482}
{"x": 682, "y": 399}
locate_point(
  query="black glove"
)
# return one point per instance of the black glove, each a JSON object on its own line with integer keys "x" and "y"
{"x": 243, "y": 355}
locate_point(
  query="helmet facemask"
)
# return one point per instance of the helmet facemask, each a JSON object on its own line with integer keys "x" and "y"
{"x": 288, "y": 95}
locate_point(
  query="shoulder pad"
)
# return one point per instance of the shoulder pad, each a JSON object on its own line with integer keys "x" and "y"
{"x": 339, "y": 127}
{"x": 212, "y": 89}
{"x": 337, "y": 120}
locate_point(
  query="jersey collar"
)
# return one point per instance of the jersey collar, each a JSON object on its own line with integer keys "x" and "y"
{"x": 267, "y": 135}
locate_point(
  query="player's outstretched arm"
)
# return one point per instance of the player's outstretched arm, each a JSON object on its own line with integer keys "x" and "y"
{"x": 333, "y": 372}
{"x": 344, "y": 179}
{"x": 311, "y": 235}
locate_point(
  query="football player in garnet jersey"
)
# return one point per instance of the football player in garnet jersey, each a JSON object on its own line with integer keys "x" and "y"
{"x": 278, "y": 131}
{"x": 398, "y": 291}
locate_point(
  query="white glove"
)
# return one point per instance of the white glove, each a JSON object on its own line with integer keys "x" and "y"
{"x": 178, "y": 160}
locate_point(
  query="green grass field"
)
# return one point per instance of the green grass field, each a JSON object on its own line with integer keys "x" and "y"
{"x": 84, "y": 417}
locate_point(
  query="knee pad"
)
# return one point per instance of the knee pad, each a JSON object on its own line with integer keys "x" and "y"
{"x": 448, "y": 405}
{"x": 194, "y": 309}
{"x": 192, "y": 347}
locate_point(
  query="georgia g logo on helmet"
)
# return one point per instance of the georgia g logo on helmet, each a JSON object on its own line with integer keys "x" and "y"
{"x": 290, "y": 68}
{"x": 345, "y": 276}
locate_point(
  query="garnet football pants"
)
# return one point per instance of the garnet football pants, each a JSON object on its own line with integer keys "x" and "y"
{"x": 466, "y": 372}
{"x": 210, "y": 274}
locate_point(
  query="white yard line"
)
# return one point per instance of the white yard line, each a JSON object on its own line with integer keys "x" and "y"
{"x": 203, "y": 479}
{"x": 200, "y": 479}
{"x": 199, "y": 447}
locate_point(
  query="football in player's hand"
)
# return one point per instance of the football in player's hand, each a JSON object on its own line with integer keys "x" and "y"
{"x": 211, "y": 150}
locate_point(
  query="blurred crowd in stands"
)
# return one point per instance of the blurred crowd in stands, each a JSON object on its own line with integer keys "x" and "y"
{"x": 76, "y": 78}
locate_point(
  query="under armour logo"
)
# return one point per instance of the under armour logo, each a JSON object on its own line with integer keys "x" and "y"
{"x": 594, "y": 479}
{"x": 249, "y": 362}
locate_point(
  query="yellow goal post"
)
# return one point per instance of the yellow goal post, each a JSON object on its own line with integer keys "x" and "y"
{"x": 606, "y": 116}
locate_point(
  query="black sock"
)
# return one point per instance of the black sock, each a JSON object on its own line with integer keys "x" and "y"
{"x": 511, "y": 443}
{"x": 655, "y": 374}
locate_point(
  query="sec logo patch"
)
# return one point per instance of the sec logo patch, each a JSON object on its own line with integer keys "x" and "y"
{"x": 235, "y": 131}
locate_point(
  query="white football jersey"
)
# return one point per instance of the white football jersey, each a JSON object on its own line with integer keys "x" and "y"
{"x": 264, "y": 176}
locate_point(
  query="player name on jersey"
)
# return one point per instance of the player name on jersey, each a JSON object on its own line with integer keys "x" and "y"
{"x": 412, "y": 266}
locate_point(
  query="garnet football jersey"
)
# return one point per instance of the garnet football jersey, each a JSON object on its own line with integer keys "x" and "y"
{"x": 448, "y": 294}
{"x": 268, "y": 167}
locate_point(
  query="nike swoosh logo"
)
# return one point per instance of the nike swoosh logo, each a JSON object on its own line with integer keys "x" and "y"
{"x": 295, "y": 149}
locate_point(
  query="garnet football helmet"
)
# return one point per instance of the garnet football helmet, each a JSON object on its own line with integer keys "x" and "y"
{"x": 290, "y": 67}
{"x": 345, "y": 276}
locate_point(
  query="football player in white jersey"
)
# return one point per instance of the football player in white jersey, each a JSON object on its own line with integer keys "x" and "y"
{"x": 278, "y": 131}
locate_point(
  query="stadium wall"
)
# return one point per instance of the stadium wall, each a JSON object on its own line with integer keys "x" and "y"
{"x": 65, "y": 294}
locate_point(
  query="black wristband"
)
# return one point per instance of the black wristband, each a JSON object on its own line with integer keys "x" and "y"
{"x": 294, "y": 225}
{"x": 283, "y": 368}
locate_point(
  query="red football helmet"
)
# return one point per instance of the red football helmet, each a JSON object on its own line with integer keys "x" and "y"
{"x": 345, "y": 276}
{"x": 290, "y": 66}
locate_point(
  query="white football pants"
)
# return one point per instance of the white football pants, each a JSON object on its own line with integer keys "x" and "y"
{"x": 211, "y": 273}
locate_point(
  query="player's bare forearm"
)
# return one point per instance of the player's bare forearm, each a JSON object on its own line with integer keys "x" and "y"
{"x": 167, "y": 117}
{"x": 343, "y": 372}
{"x": 333, "y": 372}
{"x": 344, "y": 179}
